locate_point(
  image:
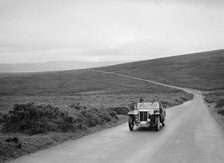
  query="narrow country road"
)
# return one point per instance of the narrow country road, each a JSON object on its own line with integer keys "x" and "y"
{"x": 191, "y": 135}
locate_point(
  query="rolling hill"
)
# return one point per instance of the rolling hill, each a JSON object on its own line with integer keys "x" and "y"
{"x": 90, "y": 88}
{"x": 203, "y": 71}
{"x": 68, "y": 90}
{"x": 51, "y": 66}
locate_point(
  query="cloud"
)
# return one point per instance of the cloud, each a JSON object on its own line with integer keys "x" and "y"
{"x": 107, "y": 30}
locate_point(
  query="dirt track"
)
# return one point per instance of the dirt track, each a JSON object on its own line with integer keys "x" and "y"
{"x": 191, "y": 136}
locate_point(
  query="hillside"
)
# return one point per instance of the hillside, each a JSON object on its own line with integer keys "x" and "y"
{"x": 87, "y": 87}
{"x": 72, "y": 83}
{"x": 51, "y": 66}
{"x": 80, "y": 97}
{"x": 203, "y": 71}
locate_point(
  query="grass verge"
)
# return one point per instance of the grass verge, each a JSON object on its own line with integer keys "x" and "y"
{"x": 27, "y": 144}
{"x": 215, "y": 103}
{"x": 119, "y": 104}
{"x": 63, "y": 90}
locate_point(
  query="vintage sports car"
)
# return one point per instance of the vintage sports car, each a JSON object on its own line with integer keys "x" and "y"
{"x": 147, "y": 114}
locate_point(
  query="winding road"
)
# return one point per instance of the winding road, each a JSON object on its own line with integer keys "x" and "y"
{"x": 191, "y": 135}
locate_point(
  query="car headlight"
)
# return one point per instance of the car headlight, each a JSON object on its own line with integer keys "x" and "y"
{"x": 135, "y": 111}
{"x": 151, "y": 111}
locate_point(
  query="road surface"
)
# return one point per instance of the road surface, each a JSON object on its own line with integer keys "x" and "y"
{"x": 191, "y": 135}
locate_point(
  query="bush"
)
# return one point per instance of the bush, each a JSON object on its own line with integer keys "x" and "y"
{"x": 220, "y": 103}
{"x": 165, "y": 104}
{"x": 1, "y": 118}
{"x": 112, "y": 113}
{"x": 221, "y": 111}
{"x": 9, "y": 147}
{"x": 89, "y": 117}
{"x": 13, "y": 140}
{"x": 76, "y": 106}
{"x": 33, "y": 119}
{"x": 120, "y": 110}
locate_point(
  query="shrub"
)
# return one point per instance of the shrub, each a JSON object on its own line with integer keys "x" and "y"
{"x": 112, "y": 113}
{"x": 221, "y": 111}
{"x": 32, "y": 119}
{"x": 90, "y": 117}
{"x": 9, "y": 147}
{"x": 1, "y": 118}
{"x": 76, "y": 106}
{"x": 120, "y": 110}
{"x": 13, "y": 140}
{"x": 220, "y": 103}
{"x": 165, "y": 104}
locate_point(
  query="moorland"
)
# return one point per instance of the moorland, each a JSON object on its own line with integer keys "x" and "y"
{"x": 103, "y": 98}
{"x": 202, "y": 71}
{"x": 71, "y": 104}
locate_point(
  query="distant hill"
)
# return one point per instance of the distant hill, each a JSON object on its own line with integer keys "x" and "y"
{"x": 51, "y": 66}
{"x": 203, "y": 71}
{"x": 71, "y": 83}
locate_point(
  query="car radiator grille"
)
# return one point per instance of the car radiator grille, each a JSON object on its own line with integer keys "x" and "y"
{"x": 143, "y": 115}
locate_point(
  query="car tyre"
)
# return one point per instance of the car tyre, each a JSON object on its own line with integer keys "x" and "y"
{"x": 130, "y": 123}
{"x": 157, "y": 127}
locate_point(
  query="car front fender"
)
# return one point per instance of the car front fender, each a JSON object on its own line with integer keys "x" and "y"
{"x": 157, "y": 114}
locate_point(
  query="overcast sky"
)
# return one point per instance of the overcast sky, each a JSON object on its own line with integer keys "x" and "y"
{"x": 107, "y": 30}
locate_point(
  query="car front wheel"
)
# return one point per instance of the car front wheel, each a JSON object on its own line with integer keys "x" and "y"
{"x": 157, "y": 127}
{"x": 130, "y": 123}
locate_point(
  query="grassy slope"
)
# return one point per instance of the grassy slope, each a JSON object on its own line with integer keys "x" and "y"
{"x": 61, "y": 89}
{"x": 87, "y": 87}
{"x": 30, "y": 144}
{"x": 212, "y": 99}
{"x": 72, "y": 83}
{"x": 203, "y": 71}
